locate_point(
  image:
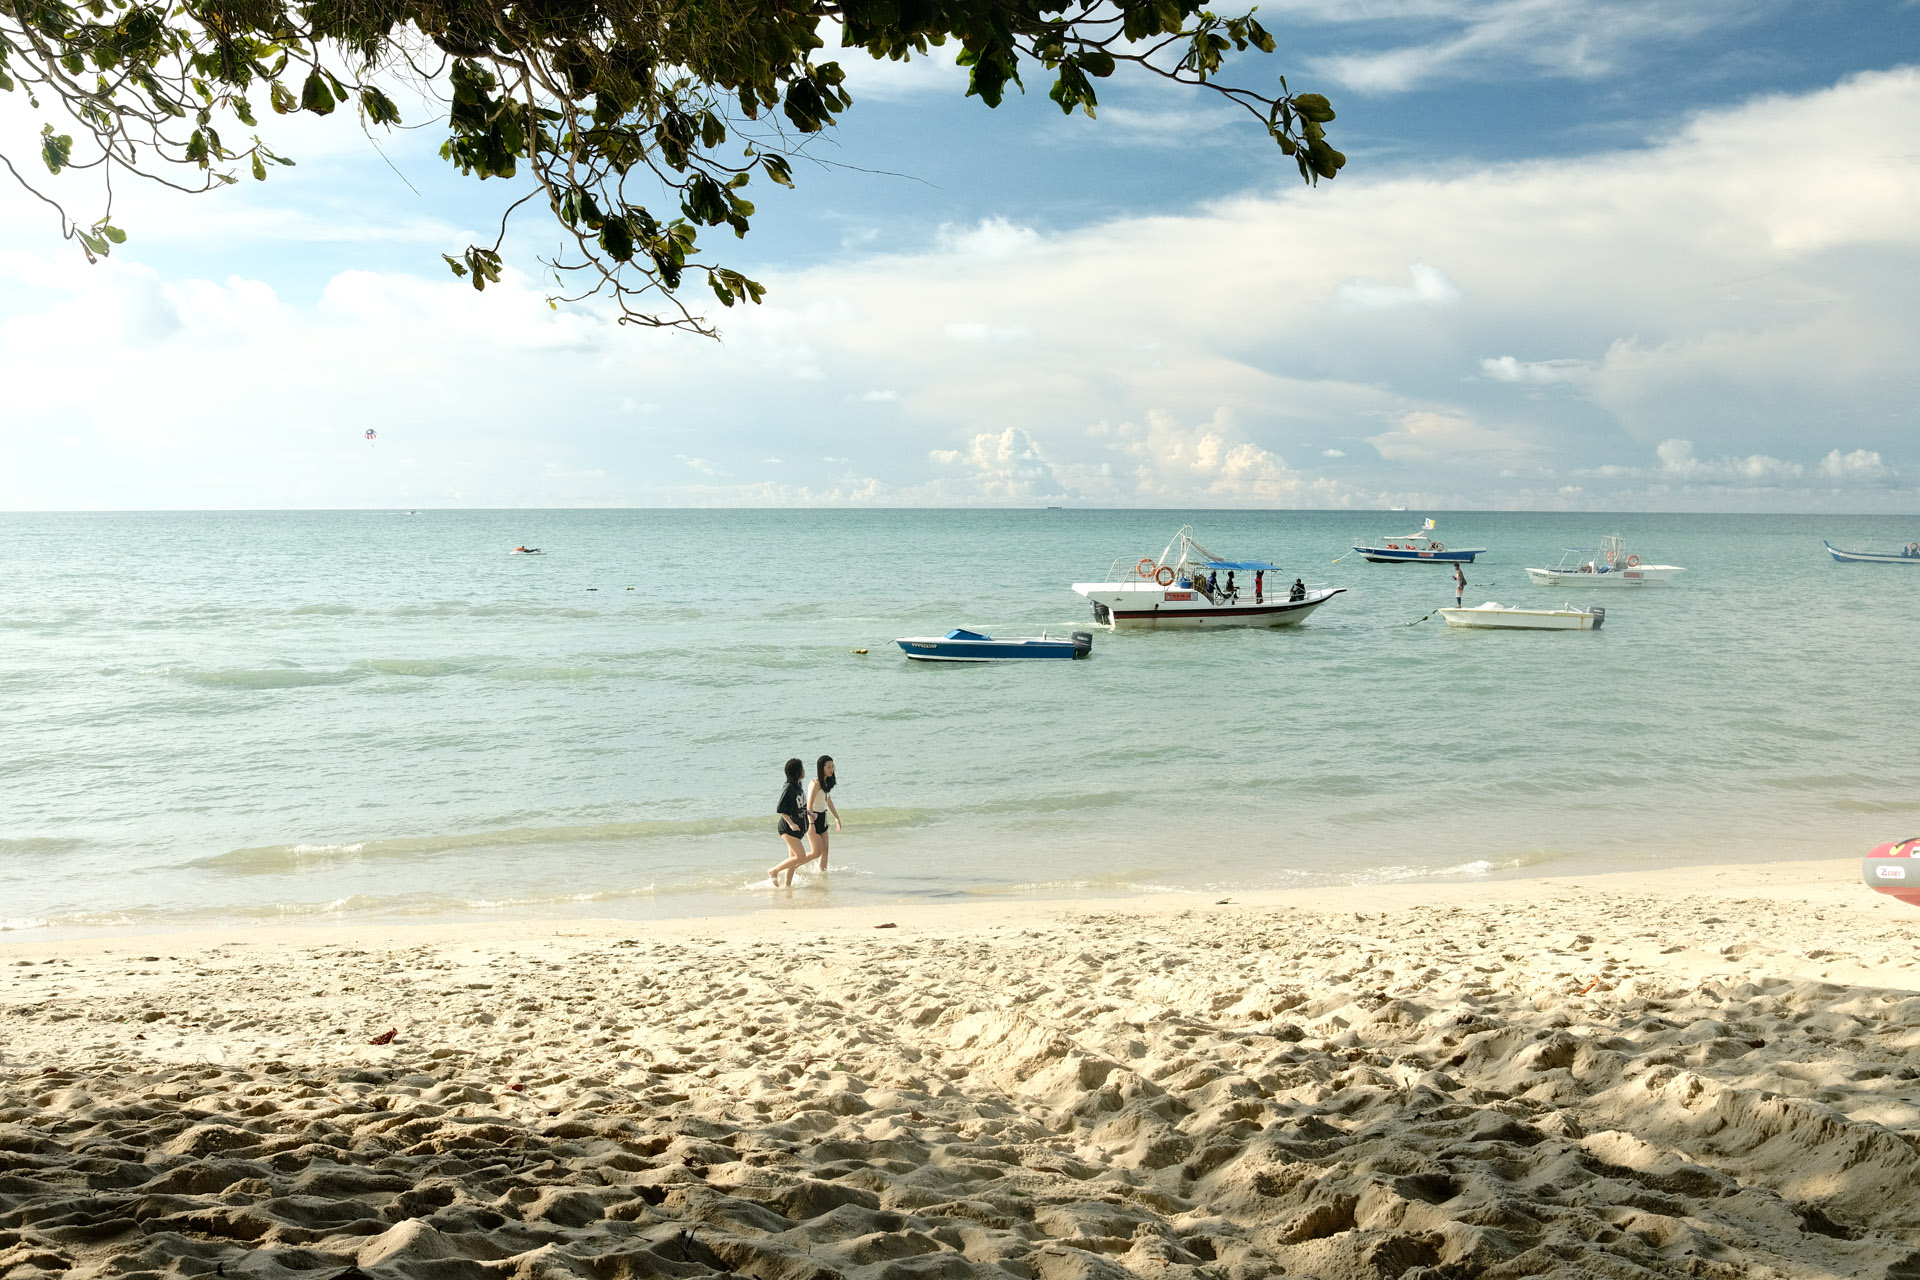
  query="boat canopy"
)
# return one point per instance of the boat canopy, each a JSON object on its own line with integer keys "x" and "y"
{"x": 961, "y": 633}
{"x": 1243, "y": 566}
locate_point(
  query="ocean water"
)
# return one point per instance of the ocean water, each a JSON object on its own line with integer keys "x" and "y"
{"x": 323, "y": 716}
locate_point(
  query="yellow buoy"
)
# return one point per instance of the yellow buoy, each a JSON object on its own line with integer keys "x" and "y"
{"x": 860, "y": 651}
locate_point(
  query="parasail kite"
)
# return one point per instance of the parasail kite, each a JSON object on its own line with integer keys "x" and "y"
{"x": 372, "y": 434}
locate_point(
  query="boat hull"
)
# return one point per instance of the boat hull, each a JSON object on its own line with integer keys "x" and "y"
{"x": 1486, "y": 619}
{"x": 1646, "y": 575}
{"x": 947, "y": 649}
{"x": 1893, "y": 870}
{"x": 1125, "y": 606}
{"x": 1391, "y": 555}
{"x": 1869, "y": 557}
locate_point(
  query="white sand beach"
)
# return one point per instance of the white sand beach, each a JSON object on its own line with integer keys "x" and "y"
{"x": 1705, "y": 1072}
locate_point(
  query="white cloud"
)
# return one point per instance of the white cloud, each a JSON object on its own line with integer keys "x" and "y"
{"x": 1508, "y": 369}
{"x": 1574, "y": 39}
{"x": 1006, "y": 466}
{"x": 1860, "y": 464}
{"x": 881, "y": 395}
{"x": 1748, "y": 281}
{"x": 1424, "y": 436}
{"x": 1333, "y": 453}
{"x": 975, "y": 331}
{"x": 992, "y": 239}
{"x": 1677, "y": 460}
{"x": 1429, "y": 286}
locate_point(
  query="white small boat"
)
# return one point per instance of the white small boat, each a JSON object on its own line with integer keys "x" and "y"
{"x": 1611, "y": 566}
{"x": 1495, "y": 616}
{"x": 1884, "y": 553}
{"x": 1189, "y": 586}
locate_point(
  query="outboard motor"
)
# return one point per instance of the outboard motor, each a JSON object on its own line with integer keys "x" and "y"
{"x": 1599, "y": 616}
{"x": 1101, "y": 614}
{"x": 1083, "y": 642}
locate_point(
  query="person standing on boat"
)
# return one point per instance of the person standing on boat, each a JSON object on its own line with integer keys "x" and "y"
{"x": 819, "y": 804}
{"x": 1459, "y": 583}
{"x": 1259, "y": 584}
{"x": 790, "y": 820}
{"x": 1213, "y": 584}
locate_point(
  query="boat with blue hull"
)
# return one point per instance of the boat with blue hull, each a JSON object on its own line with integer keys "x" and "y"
{"x": 1908, "y": 553}
{"x": 961, "y": 645}
{"x": 1418, "y": 548}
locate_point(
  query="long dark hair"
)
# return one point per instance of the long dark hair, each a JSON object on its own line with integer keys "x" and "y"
{"x": 820, "y": 774}
{"x": 796, "y": 769}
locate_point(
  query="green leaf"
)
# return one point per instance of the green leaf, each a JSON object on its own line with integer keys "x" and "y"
{"x": 55, "y": 148}
{"x": 259, "y": 169}
{"x": 453, "y": 265}
{"x": 1313, "y": 106}
{"x": 282, "y": 99}
{"x": 112, "y": 233}
{"x": 315, "y": 96}
{"x": 243, "y": 112}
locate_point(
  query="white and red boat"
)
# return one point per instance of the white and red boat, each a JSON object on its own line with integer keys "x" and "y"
{"x": 1189, "y": 586}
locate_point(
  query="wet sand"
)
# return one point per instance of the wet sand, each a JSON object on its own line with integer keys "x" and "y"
{"x": 1705, "y": 1072}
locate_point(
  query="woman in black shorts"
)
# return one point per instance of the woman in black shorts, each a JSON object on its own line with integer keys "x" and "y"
{"x": 791, "y": 819}
{"x": 819, "y": 801}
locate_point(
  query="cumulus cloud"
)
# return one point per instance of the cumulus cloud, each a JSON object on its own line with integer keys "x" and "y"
{"x": 1005, "y": 466}
{"x": 1860, "y": 464}
{"x": 1677, "y": 461}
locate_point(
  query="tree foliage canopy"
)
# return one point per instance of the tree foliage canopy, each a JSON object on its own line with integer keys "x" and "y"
{"x": 640, "y": 122}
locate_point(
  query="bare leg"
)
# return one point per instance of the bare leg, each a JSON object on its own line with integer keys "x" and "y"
{"x": 795, "y": 856}
{"x": 819, "y": 842}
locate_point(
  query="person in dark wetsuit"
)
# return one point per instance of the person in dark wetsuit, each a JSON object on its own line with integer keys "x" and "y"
{"x": 790, "y": 820}
{"x": 1298, "y": 591}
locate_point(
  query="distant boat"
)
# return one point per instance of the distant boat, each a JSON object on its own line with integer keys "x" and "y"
{"x": 1907, "y": 554}
{"x": 1418, "y": 548}
{"x": 1494, "y": 616}
{"x": 1611, "y": 566}
{"x": 961, "y": 645}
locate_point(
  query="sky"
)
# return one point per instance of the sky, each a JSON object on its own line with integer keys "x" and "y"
{"x": 1585, "y": 255}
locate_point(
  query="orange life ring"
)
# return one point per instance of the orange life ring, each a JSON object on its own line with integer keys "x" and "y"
{"x": 1438, "y": 546}
{"x": 1144, "y": 568}
{"x": 1165, "y": 576}
{"x": 1633, "y": 562}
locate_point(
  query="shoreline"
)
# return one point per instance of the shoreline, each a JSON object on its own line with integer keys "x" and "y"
{"x": 1787, "y": 869}
{"x": 1706, "y": 1071}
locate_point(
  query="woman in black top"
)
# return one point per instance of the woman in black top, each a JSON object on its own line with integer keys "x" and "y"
{"x": 791, "y": 819}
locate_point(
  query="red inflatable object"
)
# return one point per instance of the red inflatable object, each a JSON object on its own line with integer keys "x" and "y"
{"x": 1894, "y": 869}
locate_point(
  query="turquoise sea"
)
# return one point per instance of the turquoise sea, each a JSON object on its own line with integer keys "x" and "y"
{"x": 331, "y": 715}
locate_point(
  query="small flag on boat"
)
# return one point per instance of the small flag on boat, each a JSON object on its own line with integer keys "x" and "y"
{"x": 1423, "y": 528}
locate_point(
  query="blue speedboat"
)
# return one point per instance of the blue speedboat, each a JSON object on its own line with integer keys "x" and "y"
{"x": 1418, "y": 548}
{"x": 960, "y": 645}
